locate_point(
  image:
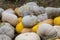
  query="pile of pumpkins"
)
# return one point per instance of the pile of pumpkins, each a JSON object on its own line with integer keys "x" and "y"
{"x": 30, "y": 22}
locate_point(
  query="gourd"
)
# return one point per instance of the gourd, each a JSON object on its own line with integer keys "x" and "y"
{"x": 35, "y": 27}
{"x": 10, "y": 18}
{"x": 25, "y": 30}
{"x": 58, "y": 31}
{"x": 42, "y": 17}
{"x": 4, "y": 37}
{"x": 28, "y": 36}
{"x": 46, "y": 31}
{"x": 1, "y": 10}
{"x": 7, "y": 29}
{"x": 29, "y": 20}
{"x": 57, "y": 20}
{"x": 48, "y": 21}
{"x": 19, "y": 27}
{"x": 51, "y": 12}
{"x": 19, "y": 19}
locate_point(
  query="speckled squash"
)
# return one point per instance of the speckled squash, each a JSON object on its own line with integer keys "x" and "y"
{"x": 28, "y": 36}
{"x": 29, "y": 21}
{"x": 7, "y": 29}
{"x": 46, "y": 31}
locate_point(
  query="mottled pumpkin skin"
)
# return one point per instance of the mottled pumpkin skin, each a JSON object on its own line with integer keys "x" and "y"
{"x": 28, "y": 36}
{"x": 29, "y": 21}
{"x": 6, "y": 28}
{"x": 46, "y": 31}
{"x": 4, "y": 37}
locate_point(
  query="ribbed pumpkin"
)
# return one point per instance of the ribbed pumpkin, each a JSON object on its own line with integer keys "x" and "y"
{"x": 28, "y": 36}
{"x": 29, "y": 21}
{"x": 7, "y": 29}
{"x": 46, "y": 31}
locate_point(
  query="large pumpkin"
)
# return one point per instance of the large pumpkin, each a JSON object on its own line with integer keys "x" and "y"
{"x": 28, "y": 36}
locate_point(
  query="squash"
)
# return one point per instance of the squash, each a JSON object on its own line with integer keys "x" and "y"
{"x": 4, "y": 37}
{"x": 28, "y": 36}
{"x": 35, "y": 27}
{"x": 48, "y": 21}
{"x": 19, "y": 19}
{"x": 29, "y": 20}
{"x": 58, "y": 31}
{"x": 1, "y": 10}
{"x": 42, "y": 17}
{"x": 19, "y": 27}
{"x": 10, "y": 18}
{"x": 25, "y": 30}
{"x": 7, "y": 29}
{"x": 46, "y": 31}
{"x": 57, "y": 21}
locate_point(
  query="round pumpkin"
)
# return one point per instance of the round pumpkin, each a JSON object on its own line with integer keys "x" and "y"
{"x": 35, "y": 27}
{"x": 28, "y": 36}
{"x": 46, "y": 31}
{"x": 19, "y": 27}
{"x": 57, "y": 20}
{"x": 29, "y": 21}
{"x": 25, "y": 30}
{"x": 4, "y": 37}
{"x": 58, "y": 31}
{"x": 6, "y": 28}
{"x": 10, "y": 18}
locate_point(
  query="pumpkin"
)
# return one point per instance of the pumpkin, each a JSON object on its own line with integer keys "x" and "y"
{"x": 29, "y": 21}
{"x": 4, "y": 37}
{"x": 1, "y": 10}
{"x": 19, "y": 27}
{"x": 25, "y": 30}
{"x": 48, "y": 21}
{"x": 46, "y": 31}
{"x": 58, "y": 31}
{"x": 57, "y": 20}
{"x": 7, "y": 29}
{"x": 10, "y": 18}
{"x": 51, "y": 12}
{"x": 42, "y": 17}
{"x": 28, "y": 36}
{"x": 19, "y": 19}
{"x": 35, "y": 27}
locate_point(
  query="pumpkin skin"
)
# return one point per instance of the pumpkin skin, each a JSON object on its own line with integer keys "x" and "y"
{"x": 57, "y": 20}
{"x": 35, "y": 27}
{"x": 42, "y": 17}
{"x": 46, "y": 31}
{"x": 51, "y": 12}
{"x": 4, "y": 37}
{"x": 7, "y": 29}
{"x": 10, "y": 18}
{"x": 25, "y": 30}
{"x": 48, "y": 21}
{"x": 1, "y": 10}
{"x": 29, "y": 21}
{"x": 58, "y": 31}
{"x": 28, "y": 36}
{"x": 19, "y": 27}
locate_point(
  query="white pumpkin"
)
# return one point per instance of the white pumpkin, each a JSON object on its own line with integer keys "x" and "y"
{"x": 42, "y": 17}
{"x": 11, "y": 18}
{"x": 46, "y": 31}
{"x": 6, "y": 28}
{"x": 4, "y": 37}
{"x": 51, "y": 11}
{"x": 29, "y": 21}
{"x": 1, "y": 10}
{"x": 58, "y": 31}
{"x": 28, "y": 36}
